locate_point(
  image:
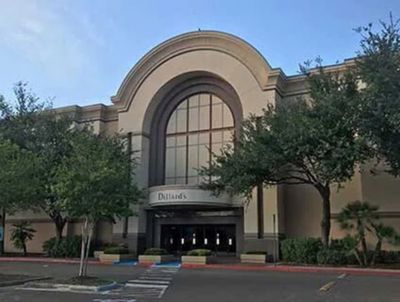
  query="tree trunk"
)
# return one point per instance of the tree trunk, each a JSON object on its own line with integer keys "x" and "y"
{"x": 91, "y": 226}
{"x": 3, "y": 226}
{"x": 364, "y": 250}
{"x": 24, "y": 249}
{"x": 377, "y": 250}
{"x": 83, "y": 246}
{"x": 325, "y": 193}
{"x": 59, "y": 223}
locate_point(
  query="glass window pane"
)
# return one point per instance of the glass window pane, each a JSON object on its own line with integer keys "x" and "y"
{"x": 204, "y": 117}
{"x": 171, "y": 141}
{"x": 193, "y": 163}
{"x": 181, "y": 140}
{"x": 216, "y": 100}
{"x": 216, "y": 116}
{"x": 216, "y": 137}
{"x": 227, "y": 116}
{"x": 193, "y": 139}
{"x": 180, "y": 180}
{"x": 193, "y": 180}
{"x": 204, "y": 155}
{"x": 183, "y": 105}
{"x": 170, "y": 180}
{"x": 204, "y": 99}
{"x": 193, "y": 119}
{"x": 228, "y": 135}
{"x": 181, "y": 121}
{"x": 172, "y": 123}
{"x": 170, "y": 162}
{"x": 193, "y": 114}
{"x": 204, "y": 138}
{"x": 181, "y": 162}
{"x": 216, "y": 149}
{"x": 194, "y": 101}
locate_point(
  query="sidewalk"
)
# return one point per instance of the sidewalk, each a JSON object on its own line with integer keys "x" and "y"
{"x": 235, "y": 265}
{"x": 46, "y": 260}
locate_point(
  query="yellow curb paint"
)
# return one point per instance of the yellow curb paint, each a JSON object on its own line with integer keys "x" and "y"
{"x": 327, "y": 286}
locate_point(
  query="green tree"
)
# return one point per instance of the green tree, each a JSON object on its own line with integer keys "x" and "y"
{"x": 362, "y": 218}
{"x": 33, "y": 126}
{"x": 21, "y": 233}
{"x": 18, "y": 179}
{"x": 52, "y": 144}
{"x": 309, "y": 141}
{"x": 95, "y": 183}
{"x": 378, "y": 65}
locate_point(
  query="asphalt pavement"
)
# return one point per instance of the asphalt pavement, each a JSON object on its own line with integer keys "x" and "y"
{"x": 171, "y": 284}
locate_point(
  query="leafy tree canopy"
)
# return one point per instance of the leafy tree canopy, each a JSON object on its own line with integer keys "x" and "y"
{"x": 310, "y": 140}
{"x": 18, "y": 177}
{"x": 378, "y": 65}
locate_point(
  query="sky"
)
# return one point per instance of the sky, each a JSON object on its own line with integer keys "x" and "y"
{"x": 79, "y": 51}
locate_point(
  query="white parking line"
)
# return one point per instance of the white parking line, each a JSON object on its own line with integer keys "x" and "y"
{"x": 146, "y": 285}
{"x": 114, "y": 300}
{"x": 342, "y": 276}
{"x": 148, "y": 281}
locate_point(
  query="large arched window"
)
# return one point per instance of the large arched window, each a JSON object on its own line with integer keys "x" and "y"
{"x": 200, "y": 126}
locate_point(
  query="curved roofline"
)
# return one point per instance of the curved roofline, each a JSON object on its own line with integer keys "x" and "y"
{"x": 187, "y": 42}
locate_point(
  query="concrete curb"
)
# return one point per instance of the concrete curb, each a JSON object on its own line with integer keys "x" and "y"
{"x": 22, "y": 281}
{"x": 47, "y": 260}
{"x": 75, "y": 287}
{"x": 300, "y": 269}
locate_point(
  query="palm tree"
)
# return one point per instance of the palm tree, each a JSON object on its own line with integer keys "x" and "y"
{"x": 363, "y": 218}
{"x": 21, "y": 233}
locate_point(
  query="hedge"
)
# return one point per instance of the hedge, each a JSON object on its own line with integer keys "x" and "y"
{"x": 155, "y": 251}
{"x": 66, "y": 247}
{"x": 199, "y": 252}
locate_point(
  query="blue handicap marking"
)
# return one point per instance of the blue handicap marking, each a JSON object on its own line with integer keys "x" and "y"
{"x": 168, "y": 264}
{"x": 126, "y": 263}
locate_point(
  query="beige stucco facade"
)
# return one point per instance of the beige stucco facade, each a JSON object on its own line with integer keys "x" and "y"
{"x": 228, "y": 67}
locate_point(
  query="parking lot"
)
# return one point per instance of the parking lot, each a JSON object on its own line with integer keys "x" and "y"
{"x": 173, "y": 284}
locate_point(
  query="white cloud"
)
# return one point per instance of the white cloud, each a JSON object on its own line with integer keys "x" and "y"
{"x": 56, "y": 38}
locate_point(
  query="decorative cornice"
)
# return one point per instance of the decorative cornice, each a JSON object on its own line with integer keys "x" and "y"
{"x": 193, "y": 41}
{"x": 96, "y": 112}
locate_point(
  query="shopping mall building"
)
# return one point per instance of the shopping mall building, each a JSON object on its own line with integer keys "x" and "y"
{"x": 183, "y": 99}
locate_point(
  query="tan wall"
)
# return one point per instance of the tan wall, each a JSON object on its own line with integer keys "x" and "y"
{"x": 381, "y": 189}
{"x": 44, "y": 231}
{"x": 302, "y": 208}
{"x": 303, "y": 211}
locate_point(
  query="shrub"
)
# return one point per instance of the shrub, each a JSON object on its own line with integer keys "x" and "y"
{"x": 116, "y": 250}
{"x": 256, "y": 253}
{"x": 301, "y": 250}
{"x": 155, "y": 251}
{"x": 331, "y": 256}
{"x": 67, "y": 247}
{"x": 103, "y": 246}
{"x": 199, "y": 252}
{"x": 389, "y": 257}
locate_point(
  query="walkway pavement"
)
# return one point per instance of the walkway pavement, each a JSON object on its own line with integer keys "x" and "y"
{"x": 232, "y": 263}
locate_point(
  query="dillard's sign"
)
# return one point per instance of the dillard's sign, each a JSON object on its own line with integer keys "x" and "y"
{"x": 161, "y": 196}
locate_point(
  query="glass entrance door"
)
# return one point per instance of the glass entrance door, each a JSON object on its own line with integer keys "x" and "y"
{"x": 181, "y": 238}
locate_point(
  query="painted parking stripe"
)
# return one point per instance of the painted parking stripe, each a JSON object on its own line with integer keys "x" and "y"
{"x": 158, "y": 278}
{"x": 148, "y": 281}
